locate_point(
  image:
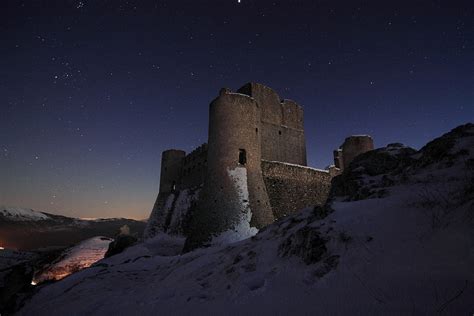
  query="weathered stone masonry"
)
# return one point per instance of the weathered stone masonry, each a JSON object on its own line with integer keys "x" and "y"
{"x": 292, "y": 188}
{"x": 251, "y": 173}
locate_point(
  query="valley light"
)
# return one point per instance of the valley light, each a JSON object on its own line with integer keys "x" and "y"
{"x": 33, "y": 282}
{"x": 1, "y": 248}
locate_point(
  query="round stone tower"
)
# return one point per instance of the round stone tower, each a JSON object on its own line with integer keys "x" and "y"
{"x": 234, "y": 199}
{"x": 171, "y": 165}
{"x": 354, "y": 146}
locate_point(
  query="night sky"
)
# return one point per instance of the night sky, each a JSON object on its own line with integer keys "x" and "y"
{"x": 92, "y": 91}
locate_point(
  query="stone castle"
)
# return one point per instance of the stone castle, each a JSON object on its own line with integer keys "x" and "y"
{"x": 252, "y": 171}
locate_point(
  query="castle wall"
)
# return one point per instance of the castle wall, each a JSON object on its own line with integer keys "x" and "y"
{"x": 251, "y": 173}
{"x": 282, "y": 143}
{"x": 267, "y": 100}
{"x": 171, "y": 167}
{"x": 194, "y": 168}
{"x": 157, "y": 219}
{"x": 292, "y": 187}
{"x": 292, "y": 114}
{"x": 172, "y": 212}
{"x": 179, "y": 210}
{"x": 181, "y": 175}
{"x": 234, "y": 195}
{"x": 281, "y": 125}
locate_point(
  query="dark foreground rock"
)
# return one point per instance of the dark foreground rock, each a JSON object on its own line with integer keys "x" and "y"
{"x": 370, "y": 172}
{"x": 120, "y": 243}
{"x": 306, "y": 243}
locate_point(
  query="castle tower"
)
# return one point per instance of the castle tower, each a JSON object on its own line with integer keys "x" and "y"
{"x": 282, "y": 131}
{"x": 353, "y": 146}
{"x": 234, "y": 198}
{"x": 171, "y": 167}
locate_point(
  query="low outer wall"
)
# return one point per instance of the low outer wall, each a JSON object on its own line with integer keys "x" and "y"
{"x": 292, "y": 188}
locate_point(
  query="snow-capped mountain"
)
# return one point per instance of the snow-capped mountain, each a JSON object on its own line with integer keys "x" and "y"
{"x": 397, "y": 238}
{"x": 21, "y": 214}
{"x": 27, "y": 229}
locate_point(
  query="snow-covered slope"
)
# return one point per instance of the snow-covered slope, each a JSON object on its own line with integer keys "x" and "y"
{"x": 74, "y": 259}
{"x": 408, "y": 251}
{"x": 21, "y": 214}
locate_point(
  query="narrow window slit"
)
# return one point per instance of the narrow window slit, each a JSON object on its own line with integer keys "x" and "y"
{"x": 242, "y": 157}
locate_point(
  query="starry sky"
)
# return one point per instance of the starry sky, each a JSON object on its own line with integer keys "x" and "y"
{"x": 91, "y": 92}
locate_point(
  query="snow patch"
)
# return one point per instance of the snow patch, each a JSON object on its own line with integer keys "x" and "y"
{"x": 242, "y": 229}
{"x": 181, "y": 208}
{"x": 295, "y": 165}
{"x": 157, "y": 216}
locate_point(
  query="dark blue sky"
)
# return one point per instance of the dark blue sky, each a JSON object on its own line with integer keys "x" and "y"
{"x": 91, "y": 92}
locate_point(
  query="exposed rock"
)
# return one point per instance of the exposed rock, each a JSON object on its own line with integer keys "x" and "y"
{"x": 371, "y": 172}
{"x": 392, "y": 158}
{"x": 321, "y": 211}
{"x": 120, "y": 243}
{"x": 16, "y": 274}
{"x": 306, "y": 243}
{"x": 442, "y": 149}
{"x": 359, "y": 181}
{"x": 15, "y": 279}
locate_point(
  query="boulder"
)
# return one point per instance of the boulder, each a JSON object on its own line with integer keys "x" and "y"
{"x": 120, "y": 243}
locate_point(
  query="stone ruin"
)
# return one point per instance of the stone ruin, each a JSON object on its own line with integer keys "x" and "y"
{"x": 252, "y": 172}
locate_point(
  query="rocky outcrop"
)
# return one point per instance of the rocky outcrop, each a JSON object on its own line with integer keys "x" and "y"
{"x": 305, "y": 243}
{"x": 370, "y": 172}
{"x": 443, "y": 149}
{"x": 120, "y": 243}
{"x": 14, "y": 281}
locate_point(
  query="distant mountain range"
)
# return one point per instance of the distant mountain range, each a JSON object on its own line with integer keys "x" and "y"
{"x": 26, "y": 229}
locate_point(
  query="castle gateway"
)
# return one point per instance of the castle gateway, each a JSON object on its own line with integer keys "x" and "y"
{"x": 252, "y": 171}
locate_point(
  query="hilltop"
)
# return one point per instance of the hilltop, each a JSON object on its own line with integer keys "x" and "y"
{"x": 396, "y": 237}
